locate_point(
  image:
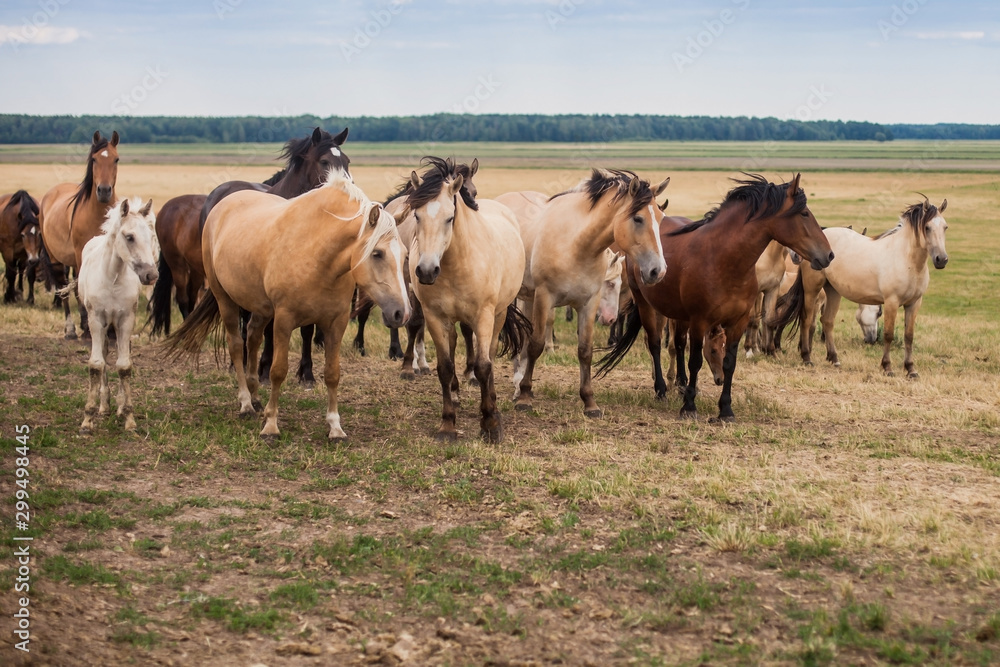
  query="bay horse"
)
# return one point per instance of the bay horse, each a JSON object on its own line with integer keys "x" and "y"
{"x": 20, "y": 243}
{"x": 711, "y": 276}
{"x": 310, "y": 159}
{"x": 466, "y": 265}
{"x": 567, "y": 262}
{"x": 113, "y": 265}
{"x": 71, "y": 215}
{"x": 888, "y": 269}
{"x": 335, "y": 239}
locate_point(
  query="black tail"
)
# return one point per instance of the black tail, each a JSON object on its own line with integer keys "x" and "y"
{"x": 160, "y": 302}
{"x": 191, "y": 334}
{"x": 515, "y": 333}
{"x": 48, "y": 271}
{"x": 789, "y": 309}
{"x": 631, "y": 329}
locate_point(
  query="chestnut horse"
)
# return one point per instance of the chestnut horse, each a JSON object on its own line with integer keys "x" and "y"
{"x": 71, "y": 215}
{"x": 335, "y": 239}
{"x": 888, "y": 269}
{"x": 466, "y": 265}
{"x": 711, "y": 277}
{"x": 567, "y": 261}
{"x": 19, "y": 243}
{"x": 180, "y": 264}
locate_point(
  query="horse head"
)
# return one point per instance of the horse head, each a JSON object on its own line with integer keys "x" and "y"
{"x": 103, "y": 166}
{"x": 867, "y": 318}
{"x": 131, "y": 228}
{"x": 934, "y": 227}
{"x": 607, "y": 309}
{"x": 796, "y": 228}
{"x": 377, "y": 263}
{"x": 637, "y": 225}
{"x": 715, "y": 353}
{"x": 28, "y": 227}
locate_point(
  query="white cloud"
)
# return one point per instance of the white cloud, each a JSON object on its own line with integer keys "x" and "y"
{"x": 958, "y": 34}
{"x": 30, "y": 34}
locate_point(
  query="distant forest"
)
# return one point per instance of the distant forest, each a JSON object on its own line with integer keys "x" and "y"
{"x": 24, "y": 129}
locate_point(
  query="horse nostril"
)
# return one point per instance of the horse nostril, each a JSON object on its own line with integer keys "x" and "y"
{"x": 831, "y": 256}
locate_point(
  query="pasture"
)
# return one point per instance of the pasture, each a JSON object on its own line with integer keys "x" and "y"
{"x": 845, "y": 518}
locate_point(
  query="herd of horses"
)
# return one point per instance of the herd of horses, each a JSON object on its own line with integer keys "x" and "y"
{"x": 435, "y": 254}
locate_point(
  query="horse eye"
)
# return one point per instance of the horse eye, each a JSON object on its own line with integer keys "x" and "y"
{"x": 130, "y": 238}
{"x": 449, "y": 220}
{"x": 378, "y": 254}
{"x": 638, "y": 220}
{"x": 116, "y": 160}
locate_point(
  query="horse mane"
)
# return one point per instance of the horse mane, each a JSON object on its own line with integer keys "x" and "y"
{"x": 761, "y": 198}
{"x": 82, "y": 193}
{"x": 433, "y": 179}
{"x": 917, "y": 214}
{"x": 27, "y": 205}
{"x": 620, "y": 180}
{"x": 277, "y": 177}
{"x": 888, "y": 232}
{"x": 342, "y": 181}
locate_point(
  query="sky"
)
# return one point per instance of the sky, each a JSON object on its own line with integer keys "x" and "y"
{"x": 895, "y": 61}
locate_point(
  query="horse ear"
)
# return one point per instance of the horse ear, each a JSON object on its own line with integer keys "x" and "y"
{"x": 474, "y": 167}
{"x": 414, "y": 180}
{"x": 124, "y": 207}
{"x": 666, "y": 202}
{"x": 864, "y": 232}
{"x": 401, "y": 215}
{"x": 144, "y": 211}
{"x": 97, "y": 137}
{"x": 374, "y": 214}
{"x": 661, "y": 187}
{"x": 633, "y": 187}
{"x": 114, "y": 138}
{"x": 793, "y": 187}
{"x": 317, "y": 136}
{"x": 340, "y": 138}
{"x": 456, "y": 185}
{"x": 943, "y": 206}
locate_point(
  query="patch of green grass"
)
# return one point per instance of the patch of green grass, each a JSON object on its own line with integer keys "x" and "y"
{"x": 300, "y": 595}
{"x": 146, "y": 640}
{"x": 234, "y": 615}
{"x": 83, "y": 573}
{"x": 147, "y": 547}
{"x": 818, "y": 547}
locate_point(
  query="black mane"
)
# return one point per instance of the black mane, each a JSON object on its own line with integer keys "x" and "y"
{"x": 619, "y": 180}
{"x": 82, "y": 193}
{"x": 917, "y": 215}
{"x": 761, "y": 198}
{"x": 432, "y": 181}
{"x": 274, "y": 179}
{"x": 28, "y": 209}
{"x": 296, "y": 151}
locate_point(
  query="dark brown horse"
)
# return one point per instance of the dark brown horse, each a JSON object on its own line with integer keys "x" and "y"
{"x": 711, "y": 278}
{"x": 20, "y": 242}
{"x": 72, "y": 214}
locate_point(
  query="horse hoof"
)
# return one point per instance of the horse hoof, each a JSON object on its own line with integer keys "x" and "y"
{"x": 270, "y": 439}
{"x": 689, "y": 414}
{"x": 86, "y": 430}
{"x": 836, "y": 364}
{"x": 446, "y": 436}
{"x": 729, "y": 419}
{"x": 594, "y": 413}
{"x": 522, "y": 407}
{"x": 257, "y": 406}
{"x": 913, "y": 375}
{"x": 808, "y": 363}
{"x": 308, "y": 384}
{"x": 248, "y": 415}
{"x": 408, "y": 375}
{"x": 890, "y": 374}
{"x": 71, "y": 336}
{"x": 492, "y": 435}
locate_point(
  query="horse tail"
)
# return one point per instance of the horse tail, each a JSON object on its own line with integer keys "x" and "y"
{"x": 48, "y": 271}
{"x": 159, "y": 303}
{"x": 630, "y": 331}
{"x": 515, "y": 332}
{"x": 64, "y": 292}
{"x": 789, "y": 309}
{"x": 203, "y": 320}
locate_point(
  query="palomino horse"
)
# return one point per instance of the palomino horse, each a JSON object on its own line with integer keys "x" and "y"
{"x": 466, "y": 265}
{"x": 335, "y": 238}
{"x": 867, "y": 318}
{"x": 770, "y": 269}
{"x": 19, "y": 243}
{"x": 711, "y": 277}
{"x": 113, "y": 265}
{"x": 71, "y": 215}
{"x": 567, "y": 262}
{"x": 889, "y": 269}
{"x": 310, "y": 159}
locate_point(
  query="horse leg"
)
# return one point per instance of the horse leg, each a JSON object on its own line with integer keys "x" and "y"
{"x": 105, "y": 390}
{"x": 569, "y": 313}
{"x": 332, "y": 336}
{"x": 32, "y": 271}
{"x": 671, "y": 352}
{"x": 70, "y": 327}
{"x": 420, "y": 364}
{"x": 652, "y": 324}
{"x": 84, "y": 320}
{"x": 697, "y": 336}
{"x": 452, "y": 345}
{"x": 255, "y": 334}
{"x": 363, "y": 313}
{"x": 889, "y": 310}
{"x": 520, "y": 362}
{"x": 812, "y": 284}
{"x": 829, "y": 320}
{"x": 281, "y": 328}
{"x": 124, "y": 327}
{"x": 585, "y": 354}
{"x": 753, "y": 329}
{"x": 305, "y": 372}
{"x": 415, "y": 326}
{"x": 10, "y": 275}
{"x": 441, "y": 333}
{"x": 182, "y": 291}
{"x": 96, "y": 366}
{"x": 910, "y": 320}
{"x": 680, "y": 344}
{"x": 230, "y": 314}
{"x": 488, "y": 329}
{"x": 266, "y": 355}
{"x": 395, "y": 349}
{"x": 470, "y": 353}
{"x": 542, "y": 320}
{"x": 728, "y": 368}
{"x": 768, "y": 306}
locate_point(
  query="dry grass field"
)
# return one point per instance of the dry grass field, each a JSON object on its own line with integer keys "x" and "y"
{"x": 846, "y": 518}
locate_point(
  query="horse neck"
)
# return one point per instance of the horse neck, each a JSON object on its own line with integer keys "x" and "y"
{"x": 598, "y": 233}
{"x": 739, "y": 244}
{"x": 292, "y": 184}
{"x": 462, "y": 236}
{"x": 905, "y": 242}
{"x": 111, "y": 262}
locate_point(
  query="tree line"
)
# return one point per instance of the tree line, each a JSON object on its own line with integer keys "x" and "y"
{"x": 27, "y": 129}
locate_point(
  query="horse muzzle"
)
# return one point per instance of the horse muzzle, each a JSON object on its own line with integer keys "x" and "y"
{"x": 147, "y": 274}
{"x": 104, "y": 193}
{"x": 652, "y": 270}
{"x": 820, "y": 263}
{"x": 871, "y": 336}
{"x": 940, "y": 261}
{"x": 427, "y": 272}
{"x": 396, "y": 316}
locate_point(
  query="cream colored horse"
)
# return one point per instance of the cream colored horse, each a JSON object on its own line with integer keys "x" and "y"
{"x": 297, "y": 261}
{"x": 889, "y": 269}
{"x": 770, "y": 270}
{"x": 466, "y": 266}
{"x": 113, "y": 265}
{"x": 72, "y": 214}
{"x": 567, "y": 261}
